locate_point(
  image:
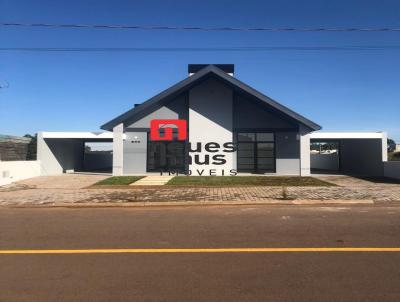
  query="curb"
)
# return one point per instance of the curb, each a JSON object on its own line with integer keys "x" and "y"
{"x": 141, "y": 204}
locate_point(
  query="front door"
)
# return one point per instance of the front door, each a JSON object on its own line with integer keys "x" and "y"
{"x": 256, "y": 152}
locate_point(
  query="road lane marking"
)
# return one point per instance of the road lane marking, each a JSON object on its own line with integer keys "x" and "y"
{"x": 206, "y": 250}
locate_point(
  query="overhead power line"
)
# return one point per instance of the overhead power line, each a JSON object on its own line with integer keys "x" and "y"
{"x": 199, "y": 28}
{"x": 201, "y": 49}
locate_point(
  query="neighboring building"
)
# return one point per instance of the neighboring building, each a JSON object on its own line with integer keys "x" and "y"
{"x": 231, "y": 128}
{"x": 397, "y": 148}
{"x": 13, "y": 148}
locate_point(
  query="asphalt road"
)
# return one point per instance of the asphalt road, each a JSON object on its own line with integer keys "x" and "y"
{"x": 315, "y": 276}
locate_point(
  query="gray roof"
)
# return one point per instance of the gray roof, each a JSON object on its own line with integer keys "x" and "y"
{"x": 211, "y": 70}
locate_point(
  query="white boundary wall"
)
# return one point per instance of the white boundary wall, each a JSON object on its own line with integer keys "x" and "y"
{"x": 11, "y": 171}
{"x": 392, "y": 169}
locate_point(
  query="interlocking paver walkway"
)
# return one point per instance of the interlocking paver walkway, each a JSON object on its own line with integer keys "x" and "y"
{"x": 73, "y": 189}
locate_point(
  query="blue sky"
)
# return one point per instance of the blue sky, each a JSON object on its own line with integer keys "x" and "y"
{"x": 69, "y": 91}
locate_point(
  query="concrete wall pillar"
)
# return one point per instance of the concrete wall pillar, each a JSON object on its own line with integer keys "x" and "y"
{"x": 118, "y": 149}
{"x": 384, "y": 147}
{"x": 49, "y": 164}
{"x": 304, "y": 151}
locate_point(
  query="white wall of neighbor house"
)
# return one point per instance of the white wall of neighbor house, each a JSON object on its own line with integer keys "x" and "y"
{"x": 11, "y": 171}
{"x": 211, "y": 120}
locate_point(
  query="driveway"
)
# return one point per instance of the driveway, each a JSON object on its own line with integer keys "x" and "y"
{"x": 64, "y": 181}
{"x": 73, "y": 188}
{"x": 349, "y": 181}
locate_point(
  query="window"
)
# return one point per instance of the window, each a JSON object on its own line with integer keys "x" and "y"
{"x": 255, "y": 152}
{"x": 246, "y": 137}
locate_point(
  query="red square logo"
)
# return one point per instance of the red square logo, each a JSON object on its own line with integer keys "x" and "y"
{"x": 156, "y": 125}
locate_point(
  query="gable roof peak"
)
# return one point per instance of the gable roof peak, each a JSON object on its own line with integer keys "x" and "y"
{"x": 190, "y": 81}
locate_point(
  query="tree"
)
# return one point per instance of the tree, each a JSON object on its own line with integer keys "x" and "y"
{"x": 391, "y": 145}
{"x": 32, "y": 147}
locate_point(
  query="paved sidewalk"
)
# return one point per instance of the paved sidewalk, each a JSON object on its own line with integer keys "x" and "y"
{"x": 152, "y": 180}
{"x": 349, "y": 181}
{"x": 64, "y": 181}
{"x": 66, "y": 189}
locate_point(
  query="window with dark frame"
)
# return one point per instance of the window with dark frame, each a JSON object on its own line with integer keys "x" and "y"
{"x": 256, "y": 152}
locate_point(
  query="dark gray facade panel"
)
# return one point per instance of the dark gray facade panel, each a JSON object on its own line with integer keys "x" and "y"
{"x": 97, "y": 161}
{"x": 361, "y": 157}
{"x": 213, "y": 101}
{"x": 180, "y": 105}
{"x": 250, "y": 115}
{"x": 287, "y": 145}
